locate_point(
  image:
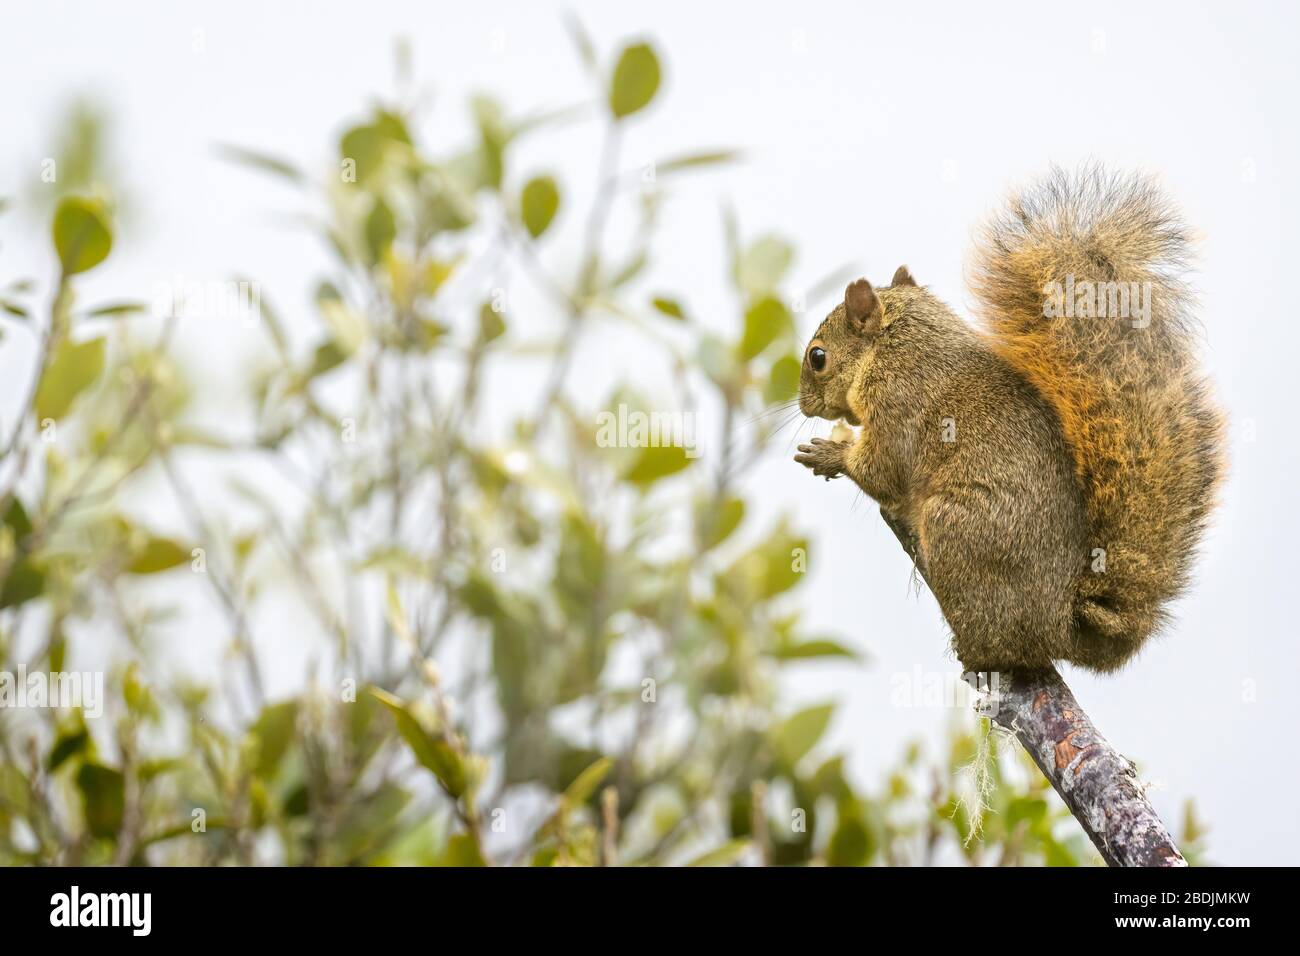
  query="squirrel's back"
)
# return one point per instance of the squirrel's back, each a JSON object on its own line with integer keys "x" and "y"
{"x": 1080, "y": 283}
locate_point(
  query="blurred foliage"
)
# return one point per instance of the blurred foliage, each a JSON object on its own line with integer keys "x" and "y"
{"x": 534, "y": 649}
{"x": 80, "y": 162}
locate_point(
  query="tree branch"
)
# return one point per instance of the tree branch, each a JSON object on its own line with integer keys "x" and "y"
{"x": 1098, "y": 784}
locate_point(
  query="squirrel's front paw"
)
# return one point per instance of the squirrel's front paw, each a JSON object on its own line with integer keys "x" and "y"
{"x": 824, "y": 457}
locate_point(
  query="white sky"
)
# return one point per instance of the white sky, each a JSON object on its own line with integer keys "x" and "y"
{"x": 875, "y": 133}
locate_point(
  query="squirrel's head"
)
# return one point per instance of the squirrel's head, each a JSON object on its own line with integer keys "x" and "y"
{"x": 833, "y": 356}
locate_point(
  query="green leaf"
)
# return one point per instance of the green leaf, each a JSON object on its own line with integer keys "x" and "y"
{"x": 538, "y": 204}
{"x": 364, "y": 146}
{"x": 117, "y": 310}
{"x": 724, "y": 855}
{"x": 26, "y": 581}
{"x": 544, "y": 118}
{"x": 81, "y": 234}
{"x": 629, "y": 271}
{"x": 368, "y": 144}
{"x": 461, "y": 851}
{"x": 807, "y": 649}
{"x": 582, "y": 41}
{"x": 717, "y": 361}
{"x": 799, "y": 733}
{"x": 159, "y": 766}
{"x": 368, "y": 823}
{"x": 783, "y": 380}
{"x": 433, "y": 753}
{"x": 73, "y": 740}
{"x": 765, "y": 320}
{"x": 392, "y": 127}
{"x": 103, "y": 796}
{"x": 580, "y": 791}
{"x": 636, "y": 79}
{"x": 327, "y": 357}
{"x": 669, "y": 307}
{"x": 381, "y": 230}
{"x": 677, "y": 164}
{"x": 135, "y": 692}
{"x": 494, "y": 136}
{"x": 261, "y": 161}
{"x": 348, "y": 327}
{"x": 763, "y": 264}
{"x": 850, "y": 843}
{"x": 491, "y": 324}
{"x": 158, "y": 554}
{"x": 480, "y": 597}
{"x": 654, "y": 463}
{"x": 1056, "y": 854}
{"x": 17, "y": 519}
{"x": 395, "y": 616}
{"x": 75, "y": 367}
{"x": 717, "y": 523}
{"x": 829, "y": 779}
{"x": 270, "y": 321}
{"x": 273, "y": 732}
{"x": 419, "y": 845}
{"x": 1030, "y": 808}
{"x": 200, "y": 437}
{"x": 395, "y": 560}
{"x": 436, "y": 272}
{"x": 775, "y": 565}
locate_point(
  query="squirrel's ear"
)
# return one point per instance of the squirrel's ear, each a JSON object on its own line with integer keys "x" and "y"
{"x": 903, "y": 277}
{"x": 862, "y": 305}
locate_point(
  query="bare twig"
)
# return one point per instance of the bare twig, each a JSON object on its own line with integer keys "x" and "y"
{"x": 226, "y": 591}
{"x": 595, "y": 228}
{"x": 609, "y": 828}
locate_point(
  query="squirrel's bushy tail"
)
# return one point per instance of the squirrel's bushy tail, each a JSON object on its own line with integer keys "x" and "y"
{"x": 1080, "y": 284}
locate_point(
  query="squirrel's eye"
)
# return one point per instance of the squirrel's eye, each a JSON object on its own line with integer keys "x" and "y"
{"x": 817, "y": 359}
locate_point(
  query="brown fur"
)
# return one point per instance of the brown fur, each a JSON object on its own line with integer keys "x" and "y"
{"x": 1069, "y": 434}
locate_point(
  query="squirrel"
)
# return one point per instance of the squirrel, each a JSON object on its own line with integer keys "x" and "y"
{"x": 1056, "y": 464}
